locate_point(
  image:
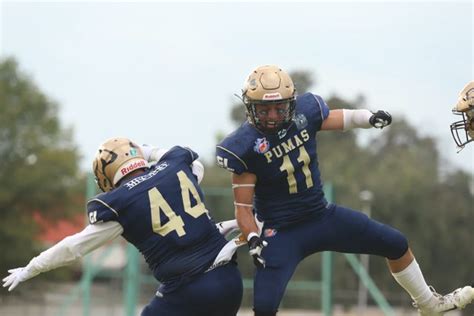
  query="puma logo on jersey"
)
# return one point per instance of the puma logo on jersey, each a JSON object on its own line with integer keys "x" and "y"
{"x": 285, "y": 147}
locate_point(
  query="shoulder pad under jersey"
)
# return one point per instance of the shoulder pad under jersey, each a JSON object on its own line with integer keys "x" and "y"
{"x": 232, "y": 152}
{"x": 178, "y": 152}
{"x": 313, "y": 107}
{"x": 99, "y": 210}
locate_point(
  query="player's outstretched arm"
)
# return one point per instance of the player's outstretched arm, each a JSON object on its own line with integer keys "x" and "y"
{"x": 65, "y": 252}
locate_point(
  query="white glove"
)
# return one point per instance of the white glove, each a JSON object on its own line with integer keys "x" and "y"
{"x": 17, "y": 276}
{"x": 227, "y": 227}
{"x": 256, "y": 245}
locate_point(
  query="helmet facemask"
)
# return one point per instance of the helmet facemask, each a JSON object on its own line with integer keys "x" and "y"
{"x": 269, "y": 89}
{"x": 463, "y": 130}
{"x": 256, "y": 112}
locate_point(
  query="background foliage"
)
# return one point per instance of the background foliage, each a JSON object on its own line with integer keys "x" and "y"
{"x": 38, "y": 165}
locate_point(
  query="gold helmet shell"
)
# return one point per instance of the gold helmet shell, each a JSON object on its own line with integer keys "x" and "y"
{"x": 465, "y": 99}
{"x": 268, "y": 84}
{"x": 116, "y": 158}
{"x": 463, "y": 130}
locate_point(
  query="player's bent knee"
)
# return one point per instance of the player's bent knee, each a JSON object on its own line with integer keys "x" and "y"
{"x": 398, "y": 245}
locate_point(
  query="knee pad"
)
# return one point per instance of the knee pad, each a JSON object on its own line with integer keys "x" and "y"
{"x": 384, "y": 240}
{"x": 398, "y": 244}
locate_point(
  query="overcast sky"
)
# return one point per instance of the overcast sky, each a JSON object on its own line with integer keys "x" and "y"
{"x": 164, "y": 73}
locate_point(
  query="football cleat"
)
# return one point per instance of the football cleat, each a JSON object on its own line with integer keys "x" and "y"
{"x": 458, "y": 299}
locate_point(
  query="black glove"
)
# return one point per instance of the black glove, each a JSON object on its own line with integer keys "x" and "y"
{"x": 380, "y": 119}
{"x": 256, "y": 245}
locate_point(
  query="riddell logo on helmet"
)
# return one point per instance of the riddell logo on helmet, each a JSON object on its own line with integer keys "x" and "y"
{"x": 132, "y": 166}
{"x": 272, "y": 96}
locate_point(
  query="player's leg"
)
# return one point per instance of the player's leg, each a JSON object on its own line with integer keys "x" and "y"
{"x": 407, "y": 273}
{"x": 282, "y": 255}
{"x": 354, "y": 232}
{"x": 215, "y": 293}
{"x": 165, "y": 305}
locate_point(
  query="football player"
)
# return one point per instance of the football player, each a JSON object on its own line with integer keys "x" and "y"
{"x": 158, "y": 207}
{"x": 274, "y": 164}
{"x": 463, "y": 130}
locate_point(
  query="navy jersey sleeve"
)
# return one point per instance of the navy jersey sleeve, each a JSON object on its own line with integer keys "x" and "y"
{"x": 314, "y": 108}
{"x": 185, "y": 153}
{"x": 100, "y": 211}
{"x": 322, "y": 111}
{"x": 232, "y": 151}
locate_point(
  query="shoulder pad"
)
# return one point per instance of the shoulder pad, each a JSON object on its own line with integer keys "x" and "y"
{"x": 313, "y": 107}
{"x": 232, "y": 153}
{"x": 185, "y": 153}
{"x": 98, "y": 210}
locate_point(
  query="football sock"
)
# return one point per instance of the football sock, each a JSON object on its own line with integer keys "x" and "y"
{"x": 412, "y": 280}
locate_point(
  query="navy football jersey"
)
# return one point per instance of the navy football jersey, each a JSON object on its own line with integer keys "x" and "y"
{"x": 286, "y": 164}
{"x": 163, "y": 216}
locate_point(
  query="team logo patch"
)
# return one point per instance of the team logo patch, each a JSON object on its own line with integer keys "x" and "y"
{"x": 269, "y": 232}
{"x": 282, "y": 133}
{"x": 261, "y": 145}
{"x": 301, "y": 121}
{"x": 133, "y": 152}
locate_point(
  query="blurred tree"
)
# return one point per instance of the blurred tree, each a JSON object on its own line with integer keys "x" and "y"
{"x": 38, "y": 164}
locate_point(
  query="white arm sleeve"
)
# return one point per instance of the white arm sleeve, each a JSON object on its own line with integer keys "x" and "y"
{"x": 151, "y": 153}
{"x": 198, "y": 170}
{"x": 74, "y": 247}
{"x": 356, "y": 119}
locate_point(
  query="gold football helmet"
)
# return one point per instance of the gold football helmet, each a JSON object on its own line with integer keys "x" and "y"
{"x": 463, "y": 130}
{"x": 269, "y": 85}
{"x": 116, "y": 158}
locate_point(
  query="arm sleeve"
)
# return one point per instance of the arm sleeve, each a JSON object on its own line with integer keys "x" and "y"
{"x": 151, "y": 153}
{"x": 198, "y": 170}
{"x": 356, "y": 119}
{"x": 74, "y": 247}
